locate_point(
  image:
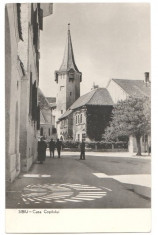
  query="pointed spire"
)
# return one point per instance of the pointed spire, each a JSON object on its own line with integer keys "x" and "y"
{"x": 68, "y": 26}
{"x": 68, "y": 60}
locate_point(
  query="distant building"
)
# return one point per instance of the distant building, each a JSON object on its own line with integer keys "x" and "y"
{"x": 121, "y": 89}
{"x": 52, "y": 102}
{"x": 90, "y": 114}
{"x": 23, "y": 22}
{"x": 86, "y": 117}
{"x": 68, "y": 78}
{"x": 47, "y": 120}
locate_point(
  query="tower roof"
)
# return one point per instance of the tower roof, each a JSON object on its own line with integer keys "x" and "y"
{"x": 68, "y": 60}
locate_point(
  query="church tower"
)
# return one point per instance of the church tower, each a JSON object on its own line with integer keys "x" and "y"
{"x": 68, "y": 78}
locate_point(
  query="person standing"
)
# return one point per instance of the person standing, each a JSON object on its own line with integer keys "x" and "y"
{"x": 41, "y": 150}
{"x": 58, "y": 146}
{"x": 82, "y": 155}
{"x": 51, "y": 147}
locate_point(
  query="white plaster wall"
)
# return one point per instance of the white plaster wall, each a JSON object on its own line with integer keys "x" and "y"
{"x": 13, "y": 107}
{"x": 79, "y": 127}
{"x": 29, "y": 136}
{"x": 61, "y": 95}
{"x": 116, "y": 92}
{"x": 73, "y": 87}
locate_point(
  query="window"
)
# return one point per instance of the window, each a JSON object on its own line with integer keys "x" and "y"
{"x": 61, "y": 88}
{"x": 71, "y": 76}
{"x": 66, "y": 122}
{"x": 81, "y": 118}
{"x": 53, "y": 130}
{"x": 83, "y": 137}
{"x": 41, "y": 131}
{"x": 49, "y": 131}
{"x": 61, "y": 111}
{"x": 30, "y": 101}
{"x": 76, "y": 119}
{"x": 70, "y": 93}
{"x": 78, "y": 137}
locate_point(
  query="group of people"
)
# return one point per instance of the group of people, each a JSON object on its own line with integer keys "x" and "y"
{"x": 42, "y": 146}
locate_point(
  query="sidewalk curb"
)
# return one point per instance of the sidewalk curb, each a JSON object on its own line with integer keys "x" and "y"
{"x": 140, "y": 190}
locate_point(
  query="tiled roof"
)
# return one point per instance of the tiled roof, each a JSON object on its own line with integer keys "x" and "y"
{"x": 51, "y": 99}
{"x": 82, "y": 100}
{"x": 99, "y": 96}
{"x": 67, "y": 113}
{"x": 43, "y": 102}
{"x": 136, "y": 88}
{"x": 42, "y": 118}
{"x": 68, "y": 60}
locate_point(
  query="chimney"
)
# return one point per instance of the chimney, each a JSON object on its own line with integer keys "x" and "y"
{"x": 146, "y": 77}
{"x": 94, "y": 86}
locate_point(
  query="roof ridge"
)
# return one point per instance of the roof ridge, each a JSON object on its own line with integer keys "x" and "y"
{"x": 127, "y": 79}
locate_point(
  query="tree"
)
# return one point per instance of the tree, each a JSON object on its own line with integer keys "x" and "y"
{"x": 130, "y": 117}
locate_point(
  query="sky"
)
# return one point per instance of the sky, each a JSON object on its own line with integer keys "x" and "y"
{"x": 110, "y": 40}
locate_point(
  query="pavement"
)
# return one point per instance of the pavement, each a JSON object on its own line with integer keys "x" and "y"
{"x": 103, "y": 180}
{"x": 110, "y": 154}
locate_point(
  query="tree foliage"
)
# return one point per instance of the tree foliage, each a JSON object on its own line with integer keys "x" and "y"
{"x": 130, "y": 117}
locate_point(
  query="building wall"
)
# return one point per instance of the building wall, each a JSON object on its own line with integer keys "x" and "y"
{"x": 21, "y": 60}
{"x": 73, "y": 89}
{"x": 27, "y": 54}
{"x": 61, "y": 95}
{"x": 68, "y": 92}
{"x": 12, "y": 85}
{"x": 116, "y": 92}
{"x": 66, "y": 128}
{"x": 98, "y": 118}
{"x": 79, "y": 126}
{"x": 47, "y": 127}
{"x": 47, "y": 131}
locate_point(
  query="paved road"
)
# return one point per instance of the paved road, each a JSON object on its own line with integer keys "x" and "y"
{"x": 72, "y": 183}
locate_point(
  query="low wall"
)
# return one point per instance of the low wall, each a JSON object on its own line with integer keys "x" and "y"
{"x": 94, "y": 150}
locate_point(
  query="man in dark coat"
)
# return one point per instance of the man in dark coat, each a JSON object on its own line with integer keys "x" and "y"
{"x": 51, "y": 147}
{"x": 41, "y": 150}
{"x": 82, "y": 155}
{"x": 58, "y": 146}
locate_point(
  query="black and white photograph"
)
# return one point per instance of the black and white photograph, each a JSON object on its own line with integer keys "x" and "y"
{"x": 78, "y": 117}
